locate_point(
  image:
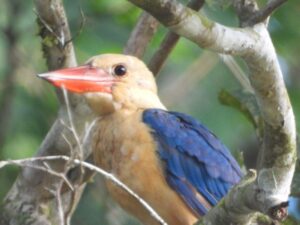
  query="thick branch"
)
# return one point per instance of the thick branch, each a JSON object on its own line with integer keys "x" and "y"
{"x": 199, "y": 29}
{"x": 232, "y": 209}
{"x": 254, "y": 45}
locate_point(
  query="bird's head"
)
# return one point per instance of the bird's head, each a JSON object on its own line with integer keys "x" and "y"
{"x": 110, "y": 82}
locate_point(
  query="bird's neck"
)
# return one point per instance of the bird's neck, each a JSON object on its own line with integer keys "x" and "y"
{"x": 136, "y": 99}
{"x": 127, "y": 101}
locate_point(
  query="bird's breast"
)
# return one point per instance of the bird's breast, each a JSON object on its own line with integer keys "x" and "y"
{"x": 124, "y": 146}
{"x": 123, "y": 141}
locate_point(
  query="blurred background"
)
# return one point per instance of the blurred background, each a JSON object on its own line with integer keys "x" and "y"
{"x": 190, "y": 82}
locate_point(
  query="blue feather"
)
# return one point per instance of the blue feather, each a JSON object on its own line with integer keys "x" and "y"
{"x": 195, "y": 161}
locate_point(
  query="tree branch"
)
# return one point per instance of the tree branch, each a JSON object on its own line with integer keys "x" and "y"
{"x": 160, "y": 56}
{"x": 254, "y": 45}
{"x": 199, "y": 29}
{"x": 170, "y": 40}
{"x": 266, "y": 11}
{"x": 141, "y": 35}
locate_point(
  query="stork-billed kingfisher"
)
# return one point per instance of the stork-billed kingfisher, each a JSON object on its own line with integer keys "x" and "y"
{"x": 169, "y": 159}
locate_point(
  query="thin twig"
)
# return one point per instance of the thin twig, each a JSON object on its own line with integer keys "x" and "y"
{"x": 107, "y": 175}
{"x": 170, "y": 40}
{"x": 68, "y": 212}
{"x": 89, "y": 129}
{"x": 59, "y": 205}
{"x": 266, "y": 11}
{"x": 58, "y": 191}
{"x": 61, "y": 175}
{"x": 81, "y": 26}
{"x": 79, "y": 144}
{"x": 237, "y": 71}
{"x": 44, "y": 168}
{"x": 71, "y": 124}
{"x": 68, "y": 142}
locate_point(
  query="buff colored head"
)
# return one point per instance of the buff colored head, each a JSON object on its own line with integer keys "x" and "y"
{"x": 109, "y": 82}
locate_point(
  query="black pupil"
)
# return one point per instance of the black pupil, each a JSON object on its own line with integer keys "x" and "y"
{"x": 120, "y": 70}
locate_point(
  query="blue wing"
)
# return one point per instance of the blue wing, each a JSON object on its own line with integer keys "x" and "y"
{"x": 197, "y": 165}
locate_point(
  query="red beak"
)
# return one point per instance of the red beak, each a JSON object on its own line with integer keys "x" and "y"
{"x": 80, "y": 79}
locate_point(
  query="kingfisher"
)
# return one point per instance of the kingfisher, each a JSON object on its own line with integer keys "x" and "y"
{"x": 172, "y": 161}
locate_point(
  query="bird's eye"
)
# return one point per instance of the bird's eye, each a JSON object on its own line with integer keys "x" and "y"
{"x": 120, "y": 70}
